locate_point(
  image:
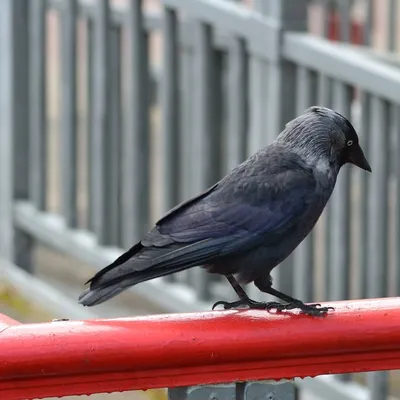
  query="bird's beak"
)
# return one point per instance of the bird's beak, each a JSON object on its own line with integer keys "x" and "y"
{"x": 357, "y": 157}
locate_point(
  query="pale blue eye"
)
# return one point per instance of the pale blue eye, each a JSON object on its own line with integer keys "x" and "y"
{"x": 349, "y": 143}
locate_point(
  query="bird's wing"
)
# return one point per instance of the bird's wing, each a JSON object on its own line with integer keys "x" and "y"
{"x": 249, "y": 209}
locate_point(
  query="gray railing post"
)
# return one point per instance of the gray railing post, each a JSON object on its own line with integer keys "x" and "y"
{"x": 290, "y": 16}
{"x": 6, "y": 112}
{"x": 135, "y": 139}
{"x": 37, "y": 105}
{"x": 14, "y": 60}
{"x": 266, "y": 390}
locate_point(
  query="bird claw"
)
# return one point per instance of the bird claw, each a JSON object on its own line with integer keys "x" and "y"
{"x": 227, "y": 305}
{"x": 255, "y": 305}
{"x": 314, "y": 310}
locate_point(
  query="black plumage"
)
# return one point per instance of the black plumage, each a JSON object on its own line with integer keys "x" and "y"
{"x": 249, "y": 221}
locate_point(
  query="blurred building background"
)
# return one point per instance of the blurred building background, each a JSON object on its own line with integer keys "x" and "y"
{"x": 116, "y": 114}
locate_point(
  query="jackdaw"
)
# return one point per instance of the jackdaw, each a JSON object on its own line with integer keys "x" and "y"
{"x": 249, "y": 221}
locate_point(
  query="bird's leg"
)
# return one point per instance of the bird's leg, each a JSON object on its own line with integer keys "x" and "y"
{"x": 292, "y": 303}
{"x": 244, "y": 299}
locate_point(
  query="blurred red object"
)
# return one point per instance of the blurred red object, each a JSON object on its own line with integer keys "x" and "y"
{"x": 356, "y": 29}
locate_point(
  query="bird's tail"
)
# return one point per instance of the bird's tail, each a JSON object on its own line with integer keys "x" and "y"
{"x": 140, "y": 264}
{"x": 97, "y": 294}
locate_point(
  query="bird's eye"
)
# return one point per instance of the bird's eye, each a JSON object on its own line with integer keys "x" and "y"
{"x": 349, "y": 143}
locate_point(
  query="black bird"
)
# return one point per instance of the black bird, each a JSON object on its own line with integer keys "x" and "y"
{"x": 248, "y": 222}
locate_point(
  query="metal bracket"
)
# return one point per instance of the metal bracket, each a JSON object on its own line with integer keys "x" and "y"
{"x": 262, "y": 390}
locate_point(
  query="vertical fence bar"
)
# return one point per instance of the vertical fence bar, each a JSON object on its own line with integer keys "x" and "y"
{"x": 365, "y": 134}
{"x": 101, "y": 126}
{"x": 325, "y": 90}
{"x": 258, "y": 70}
{"x": 37, "y": 101}
{"x": 170, "y": 110}
{"x": 202, "y": 139}
{"x": 368, "y": 25}
{"x": 340, "y": 223}
{"x": 393, "y": 209}
{"x": 20, "y": 80}
{"x": 186, "y": 65}
{"x": 396, "y": 124}
{"x": 392, "y": 18}
{"x": 280, "y": 75}
{"x": 23, "y": 242}
{"x": 90, "y": 93}
{"x": 325, "y": 99}
{"x": 7, "y": 110}
{"x": 101, "y": 117}
{"x": 377, "y": 210}
{"x": 69, "y": 126}
{"x": 303, "y": 261}
{"x": 114, "y": 162}
{"x": 378, "y": 198}
{"x": 378, "y": 383}
{"x": 340, "y": 219}
{"x": 218, "y": 72}
{"x": 136, "y": 174}
{"x": 15, "y": 245}
{"x": 326, "y": 9}
{"x": 262, "y": 129}
{"x": 185, "y": 121}
{"x": 18, "y": 108}
{"x": 345, "y": 19}
{"x": 236, "y": 391}
{"x": 202, "y": 96}
{"x": 237, "y": 104}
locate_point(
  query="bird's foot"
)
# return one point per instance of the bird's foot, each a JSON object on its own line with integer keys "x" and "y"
{"x": 314, "y": 310}
{"x": 255, "y": 305}
{"x": 309, "y": 309}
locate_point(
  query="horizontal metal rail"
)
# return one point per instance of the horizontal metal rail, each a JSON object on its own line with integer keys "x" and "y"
{"x": 261, "y": 32}
{"x": 95, "y": 356}
{"x": 118, "y": 12}
{"x": 344, "y": 63}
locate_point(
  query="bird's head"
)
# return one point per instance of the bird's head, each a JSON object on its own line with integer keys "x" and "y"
{"x": 323, "y": 135}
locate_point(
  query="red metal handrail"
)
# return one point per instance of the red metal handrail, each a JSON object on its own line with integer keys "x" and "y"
{"x": 94, "y": 356}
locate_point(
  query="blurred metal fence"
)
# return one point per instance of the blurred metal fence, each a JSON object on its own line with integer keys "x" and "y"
{"x": 137, "y": 135}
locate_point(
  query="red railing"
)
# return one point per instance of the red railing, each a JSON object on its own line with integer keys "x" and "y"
{"x": 94, "y": 356}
